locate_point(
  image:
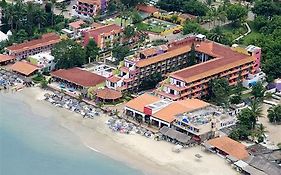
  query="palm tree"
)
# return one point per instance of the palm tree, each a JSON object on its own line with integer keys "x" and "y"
{"x": 216, "y": 34}
{"x": 62, "y": 8}
{"x": 222, "y": 17}
{"x": 274, "y": 114}
{"x": 29, "y": 15}
{"x": 53, "y": 2}
{"x": 255, "y": 112}
{"x": 9, "y": 14}
{"x": 40, "y": 18}
{"x": 261, "y": 130}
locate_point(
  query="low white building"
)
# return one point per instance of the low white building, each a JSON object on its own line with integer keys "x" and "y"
{"x": 45, "y": 61}
{"x": 3, "y": 36}
{"x": 252, "y": 79}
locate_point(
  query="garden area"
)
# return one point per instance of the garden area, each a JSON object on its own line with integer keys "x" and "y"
{"x": 154, "y": 25}
{"x": 118, "y": 21}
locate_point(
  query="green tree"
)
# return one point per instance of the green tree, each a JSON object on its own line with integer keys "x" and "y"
{"x": 120, "y": 52}
{"x": 236, "y": 13}
{"x": 174, "y": 18}
{"x": 219, "y": 91}
{"x": 129, "y": 31}
{"x": 150, "y": 82}
{"x": 21, "y": 35}
{"x": 217, "y": 35}
{"x": 274, "y": 114}
{"x": 3, "y": 3}
{"x": 43, "y": 84}
{"x": 69, "y": 54}
{"x": 195, "y": 8}
{"x": 92, "y": 50}
{"x": 236, "y": 99}
{"x": 131, "y": 4}
{"x": 136, "y": 18}
{"x": 112, "y": 6}
{"x": 267, "y": 8}
{"x": 193, "y": 27}
{"x": 258, "y": 91}
{"x": 255, "y": 112}
{"x": 192, "y": 59}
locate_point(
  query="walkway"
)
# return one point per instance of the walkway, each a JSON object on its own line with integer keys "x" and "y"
{"x": 249, "y": 31}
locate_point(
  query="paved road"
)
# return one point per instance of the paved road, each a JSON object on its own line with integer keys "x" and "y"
{"x": 68, "y": 13}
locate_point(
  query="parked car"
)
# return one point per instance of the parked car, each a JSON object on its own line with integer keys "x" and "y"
{"x": 176, "y": 31}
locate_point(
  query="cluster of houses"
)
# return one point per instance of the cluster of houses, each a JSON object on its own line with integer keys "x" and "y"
{"x": 255, "y": 159}
{"x": 175, "y": 105}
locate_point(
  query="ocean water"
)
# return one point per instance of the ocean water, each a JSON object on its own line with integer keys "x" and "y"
{"x": 34, "y": 145}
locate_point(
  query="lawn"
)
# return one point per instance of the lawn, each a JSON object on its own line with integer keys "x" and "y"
{"x": 234, "y": 32}
{"x": 117, "y": 21}
{"x": 154, "y": 25}
{"x": 146, "y": 27}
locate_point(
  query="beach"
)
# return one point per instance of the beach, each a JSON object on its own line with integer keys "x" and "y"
{"x": 272, "y": 130}
{"x": 136, "y": 151}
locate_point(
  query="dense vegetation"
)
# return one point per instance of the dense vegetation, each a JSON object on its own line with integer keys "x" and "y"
{"x": 247, "y": 124}
{"x": 193, "y": 7}
{"x": 69, "y": 54}
{"x": 274, "y": 114}
{"x": 28, "y": 21}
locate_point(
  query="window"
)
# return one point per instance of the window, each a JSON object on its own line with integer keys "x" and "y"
{"x": 172, "y": 91}
{"x": 178, "y": 83}
{"x": 112, "y": 84}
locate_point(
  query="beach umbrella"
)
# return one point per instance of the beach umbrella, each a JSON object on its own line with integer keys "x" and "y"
{"x": 177, "y": 148}
{"x": 4, "y": 76}
{"x": 198, "y": 156}
{"x": 47, "y": 95}
{"x": 8, "y": 73}
{"x": 66, "y": 97}
{"x": 56, "y": 98}
{"x": 82, "y": 103}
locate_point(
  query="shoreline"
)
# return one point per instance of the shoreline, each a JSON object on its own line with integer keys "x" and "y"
{"x": 141, "y": 153}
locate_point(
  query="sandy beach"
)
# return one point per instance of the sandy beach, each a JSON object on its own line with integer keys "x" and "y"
{"x": 148, "y": 155}
{"x": 273, "y": 131}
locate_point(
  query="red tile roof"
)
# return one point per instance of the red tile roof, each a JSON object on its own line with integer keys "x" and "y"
{"x": 45, "y": 40}
{"x": 94, "y": 2}
{"x": 225, "y": 59}
{"x": 105, "y": 30}
{"x": 79, "y": 77}
{"x": 147, "y": 8}
{"x": 4, "y": 58}
{"x": 24, "y": 68}
{"x": 108, "y": 94}
{"x": 113, "y": 79}
{"x": 168, "y": 113}
{"x": 141, "y": 101}
{"x": 229, "y": 146}
{"x": 76, "y": 24}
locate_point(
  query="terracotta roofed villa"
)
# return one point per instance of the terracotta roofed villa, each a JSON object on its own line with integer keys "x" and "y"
{"x": 227, "y": 146}
{"x": 104, "y": 36}
{"x": 78, "y": 77}
{"x": 27, "y": 48}
{"x": 24, "y": 68}
{"x": 6, "y": 59}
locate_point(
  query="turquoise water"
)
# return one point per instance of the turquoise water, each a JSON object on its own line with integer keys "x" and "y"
{"x": 34, "y": 145}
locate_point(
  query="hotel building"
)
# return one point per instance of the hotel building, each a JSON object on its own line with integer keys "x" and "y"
{"x": 28, "y": 48}
{"x": 222, "y": 62}
{"x": 213, "y": 60}
{"x": 89, "y": 8}
{"x": 193, "y": 117}
{"x": 104, "y": 36}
